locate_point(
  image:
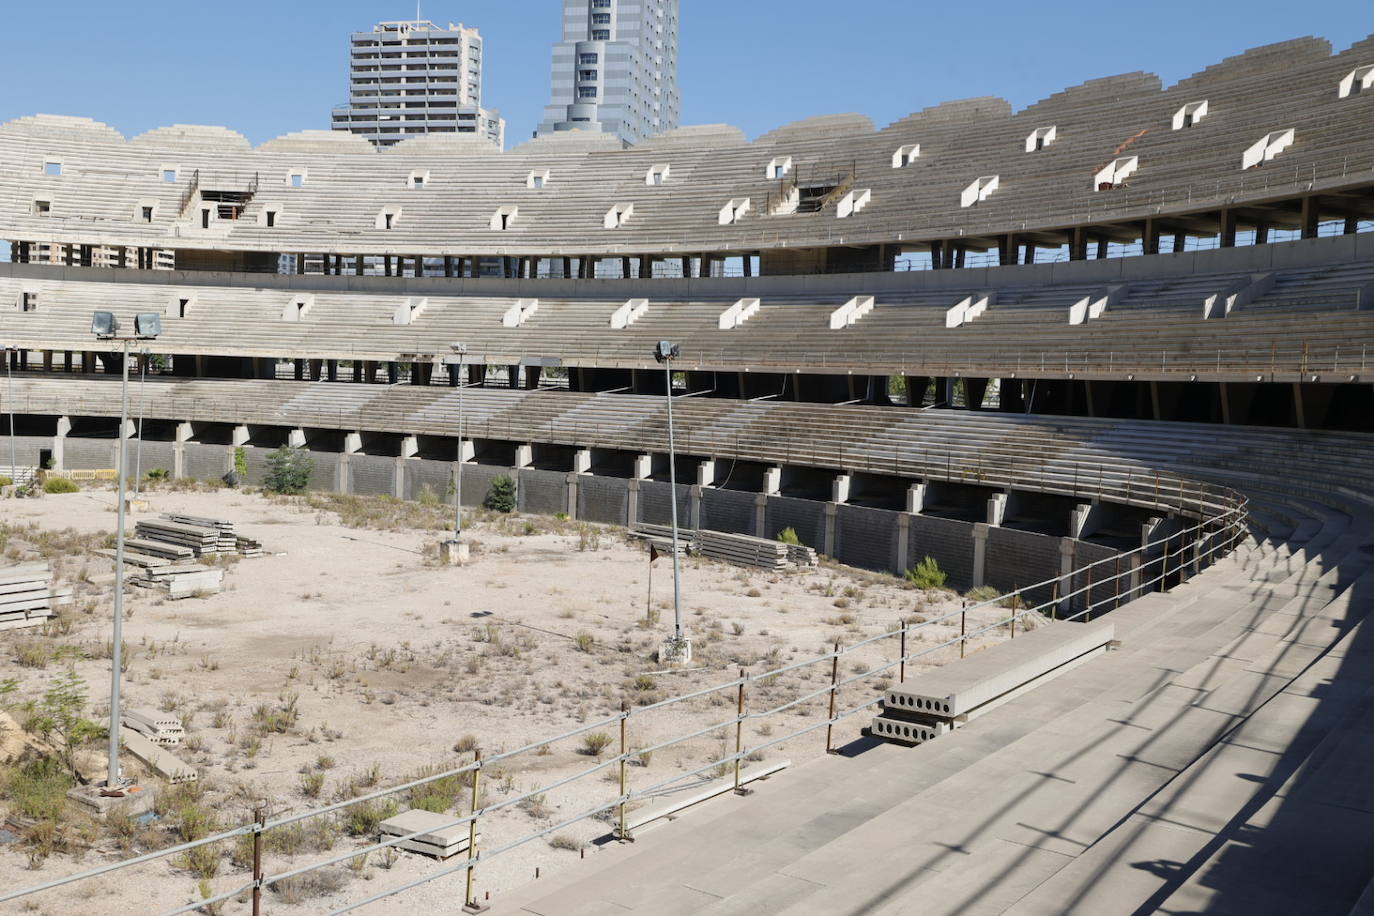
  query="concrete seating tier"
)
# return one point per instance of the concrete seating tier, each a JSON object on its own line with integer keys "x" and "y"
{"x": 106, "y": 180}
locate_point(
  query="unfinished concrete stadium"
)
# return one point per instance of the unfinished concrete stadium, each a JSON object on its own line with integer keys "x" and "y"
{"x": 1103, "y": 360}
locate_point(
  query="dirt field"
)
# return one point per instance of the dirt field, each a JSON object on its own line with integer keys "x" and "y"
{"x": 347, "y": 659}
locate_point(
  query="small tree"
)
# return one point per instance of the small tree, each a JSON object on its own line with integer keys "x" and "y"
{"x": 62, "y": 713}
{"x": 288, "y": 470}
{"x": 927, "y": 574}
{"x": 789, "y": 536}
{"x": 501, "y": 496}
{"x": 241, "y": 462}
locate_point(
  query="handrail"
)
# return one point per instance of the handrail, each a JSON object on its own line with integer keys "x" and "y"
{"x": 1162, "y": 562}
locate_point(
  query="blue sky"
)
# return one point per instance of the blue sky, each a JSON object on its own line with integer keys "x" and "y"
{"x": 268, "y": 67}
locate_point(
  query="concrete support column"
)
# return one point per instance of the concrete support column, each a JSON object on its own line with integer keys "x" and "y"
{"x": 839, "y": 489}
{"x": 570, "y": 487}
{"x": 643, "y": 467}
{"x": 353, "y": 443}
{"x": 899, "y": 564}
{"x": 772, "y": 481}
{"x": 1228, "y": 228}
{"x": 1311, "y": 214}
{"x": 1135, "y": 577}
{"x": 694, "y": 508}
{"x": 980, "y": 554}
{"x": 828, "y": 541}
{"x": 296, "y": 438}
{"x": 524, "y": 455}
{"x": 706, "y": 473}
{"x": 582, "y": 461}
{"x": 179, "y": 439}
{"x": 332, "y": 370}
{"x": 64, "y": 428}
{"x": 240, "y": 437}
{"x": 997, "y": 509}
{"x": 632, "y": 503}
{"x": 916, "y": 498}
{"x": 1149, "y": 237}
{"x": 760, "y": 515}
{"x": 1066, "y": 551}
{"x": 410, "y": 447}
{"x": 398, "y": 479}
{"x": 467, "y": 451}
{"x": 1299, "y": 409}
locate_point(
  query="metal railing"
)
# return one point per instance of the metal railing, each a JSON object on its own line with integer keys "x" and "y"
{"x": 1106, "y": 584}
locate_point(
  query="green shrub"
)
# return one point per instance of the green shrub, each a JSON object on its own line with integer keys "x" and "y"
{"x": 363, "y": 818}
{"x": 982, "y": 593}
{"x": 159, "y": 474}
{"x": 927, "y": 574}
{"x": 501, "y": 496}
{"x": 288, "y": 470}
{"x": 39, "y": 789}
{"x": 789, "y": 536}
{"x": 241, "y": 462}
{"x": 5, "y": 481}
{"x": 60, "y": 485}
{"x": 595, "y": 743}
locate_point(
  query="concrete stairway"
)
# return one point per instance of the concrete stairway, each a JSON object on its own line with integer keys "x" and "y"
{"x": 1212, "y": 764}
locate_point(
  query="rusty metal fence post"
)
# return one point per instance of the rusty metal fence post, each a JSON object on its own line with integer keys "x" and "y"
{"x": 834, "y": 689}
{"x": 259, "y": 820}
{"x": 470, "y": 903}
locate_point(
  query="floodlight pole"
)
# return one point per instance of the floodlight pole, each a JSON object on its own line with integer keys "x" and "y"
{"x": 11, "y": 353}
{"x": 459, "y": 350}
{"x": 142, "y": 401}
{"x": 672, "y": 501}
{"x": 112, "y": 777}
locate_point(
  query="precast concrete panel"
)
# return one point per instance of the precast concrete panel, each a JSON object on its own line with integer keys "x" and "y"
{"x": 257, "y": 464}
{"x": 1017, "y": 559}
{"x": 654, "y": 507}
{"x": 949, "y": 541}
{"x": 1103, "y": 590}
{"x": 155, "y": 455}
{"x": 324, "y": 471}
{"x": 477, "y": 480}
{"x": 425, "y": 475}
{"x": 89, "y": 453}
{"x": 864, "y": 537}
{"x": 728, "y": 510}
{"x": 543, "y": 492}
{"x": 602, "y": 499}
{"x": 805, "y": 516}
{"x": 26, "y": 450}
{"x": 207, "y": 462}
{"x": 373, "y": 475}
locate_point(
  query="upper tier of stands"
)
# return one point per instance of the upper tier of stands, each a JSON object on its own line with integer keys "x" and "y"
{"x": 73, "y": 180}
{"x": 1314, "y": 315}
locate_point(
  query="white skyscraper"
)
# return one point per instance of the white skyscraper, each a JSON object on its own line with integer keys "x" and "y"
{"x": 615, "y": 70}
{"x": 412, "y": 78}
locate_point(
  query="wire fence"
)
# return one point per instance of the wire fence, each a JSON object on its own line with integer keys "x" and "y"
{"x": 1088, "y": 591}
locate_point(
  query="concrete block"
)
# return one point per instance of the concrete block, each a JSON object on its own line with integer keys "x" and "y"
{"x": 997, "y": 509}
{"x": 961, "y": 687}
{"x": 353, "y": 443}
{"x": 644, "y": 465}
{"x": 582, "y": 461}
{"x": 410, "y": 447}
{"x": 437, "y": 835}
{"x": 772, "y": 481}
{"x": 524, "y": 455}
{"x": 240, "y": 436}
{"x": 916, "y": 498}
{"x": 706, "y": 473}
{"x": 296, "y": 438}
{"x": 839, "y": 489}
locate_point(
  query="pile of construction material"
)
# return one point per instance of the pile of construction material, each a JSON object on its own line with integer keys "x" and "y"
{"x": 438, "y": 835}
{"x": 27, "y": 596}
{"x": 156, "y": 757}
{"x": 164, "y": 553}
{"x": 158, "y": 727}
{"x": 739, "y": 549}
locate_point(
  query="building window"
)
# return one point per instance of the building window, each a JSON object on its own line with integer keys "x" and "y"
{"x": 271, "y": 216}
{"x": 147, "y": 214}
{"x": 586, "y": 92}
{"x": 601, "y": 4}
{"x": 296, "y": 179}
{"x": 601, "y": 18}
{"x": 587, "y": 75}
{"x": 28, "y": 302}
{"x": 601, "y": 34}
{"x": 169, "y": 175}
{"x": 589, "y": 60}
{"x": 52, "y": 168}
{"x": 42, "y": 207}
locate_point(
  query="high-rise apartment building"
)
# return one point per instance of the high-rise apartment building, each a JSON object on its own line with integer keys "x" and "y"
{"x": 412, "y": 78}
{"x": 615, "y": 70}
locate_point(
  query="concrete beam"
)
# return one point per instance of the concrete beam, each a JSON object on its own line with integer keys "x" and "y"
{"x": 997, "y": 509}
{"x": 916, "y": 498}
{"x": 524, "y": 455}
{"x": 643, "y": 468}
{"x": 839, "y": 489}
{"x": 410, "y": 447}
{"x": 582, "y": 462}
{"x": 240, "y": 437}
{"x": 980, "y": 554}
{"x": 353, "y": 443}
{"x": 706, "y": 473}
{"x": 772, "y": 481}
{"x": 296, "y": 438}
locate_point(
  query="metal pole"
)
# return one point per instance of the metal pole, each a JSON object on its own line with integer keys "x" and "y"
{"x": 112, "y": 779}
{"x": 624, "y": 834}
{"x": 260, "y": 818}
{"x": 834, "y": 685}
{"x": 739, "y": 730}
{"x": 11, "y": 354}
{"x": 458, "y": 482}
{"x": 469, "y": 898}
{"x": 963, "y": 628}
{"x": 901, "y": 675}
{"x": 142, "y": 400}
{"x": 672, "y": 501}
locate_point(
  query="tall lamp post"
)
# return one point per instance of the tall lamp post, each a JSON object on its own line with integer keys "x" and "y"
{"x": 458, "y": 551}
{"x": 142, "y": 401}
{"x": 11, "y": 353}
{"x": 104, "y": 325}
{"x": 677, "y": 648}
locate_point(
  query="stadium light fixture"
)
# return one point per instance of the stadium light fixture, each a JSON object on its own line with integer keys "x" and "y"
{"x": 105, "y": 326}
{"x": 678, "y": 648}
{"x": 459, "y": 350}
